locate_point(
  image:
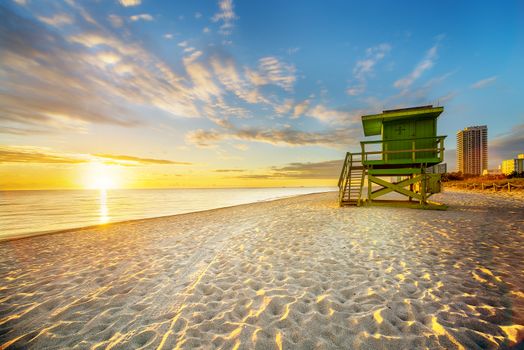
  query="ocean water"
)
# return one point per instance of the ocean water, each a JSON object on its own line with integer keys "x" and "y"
{"x": 31, "y": 212}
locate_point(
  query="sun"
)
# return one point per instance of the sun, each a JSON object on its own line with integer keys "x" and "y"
{"x": 103, "y": 182}
{"x": 100, "y": 177}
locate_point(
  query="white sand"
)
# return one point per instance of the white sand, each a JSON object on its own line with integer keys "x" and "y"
{"x": 293, "y": 273}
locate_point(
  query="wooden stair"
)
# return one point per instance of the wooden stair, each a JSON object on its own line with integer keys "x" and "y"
{"x": 351, "y": 180}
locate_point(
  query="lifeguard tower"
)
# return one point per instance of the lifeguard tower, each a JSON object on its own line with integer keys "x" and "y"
{"x": 398, "y": 162}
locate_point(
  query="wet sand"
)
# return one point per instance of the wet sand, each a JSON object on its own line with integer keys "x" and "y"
{"x": 296, "y": 273}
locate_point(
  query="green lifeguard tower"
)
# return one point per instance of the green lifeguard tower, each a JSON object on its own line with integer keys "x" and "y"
{"x": 409, "y": 145}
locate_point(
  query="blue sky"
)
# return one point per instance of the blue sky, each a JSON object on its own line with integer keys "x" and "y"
{"x": 266, "y": 89}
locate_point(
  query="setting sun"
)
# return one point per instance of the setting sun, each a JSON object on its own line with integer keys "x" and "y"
{"x": 100, "y": 177}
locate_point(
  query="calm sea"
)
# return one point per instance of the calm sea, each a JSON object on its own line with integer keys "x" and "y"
{"x": 31, "y": 212}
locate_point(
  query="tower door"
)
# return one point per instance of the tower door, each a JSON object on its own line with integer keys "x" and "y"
{"x": 397, "y": 135}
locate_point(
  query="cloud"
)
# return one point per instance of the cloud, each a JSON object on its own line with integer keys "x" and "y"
{"x": 229, "y": 170}
{"x": 55, "y": 81}
{"x": 310, "y": 170}
{"x": 272, "y": 71}
{"x": 128, "y": 3}
{"x": 335, "y": 138}
{"x": 507, "y": 145}
{"x": 226, "y": 15}
{"x": 230, "y": 78}
{"x": 142, "y": 16}
{"x": 292, "y": 50}
{"x": 334, "y": 116}
{"x": 300, "y": 108}
{"x": 364, "y": 68}
{"x": 57, "y": 20}
{"x": 168, "y": 36}
{"x": 373, "y": 55}
{"x": 484, "y": 82}
{"x": 116, "y": 21}
{"x": 138, "y": 161}
{"x": 284, "y": 107}
{"x": 29, "y": 154}
{"x": 427, "y": 62}
{"x": 33, "y": 154}
{"x": 198, "y": 15}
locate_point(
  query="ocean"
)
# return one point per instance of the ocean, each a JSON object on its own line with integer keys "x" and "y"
{"x": 24, "y": 213}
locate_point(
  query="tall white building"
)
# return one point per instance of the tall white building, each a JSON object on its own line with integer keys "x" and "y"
{"x": 472, "y": 150}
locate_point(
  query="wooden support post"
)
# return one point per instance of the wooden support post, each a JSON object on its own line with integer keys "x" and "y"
{"x": 413, "y": 151}
{"x": 369, "y": 188}
{"x": 509, "y": 187}
{"x": 424, "y": 188}
{"x": 411, "y": 188}
{"x": 482, "y": 186}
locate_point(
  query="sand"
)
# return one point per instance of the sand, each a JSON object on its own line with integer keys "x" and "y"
{"x": 296, "y": 273}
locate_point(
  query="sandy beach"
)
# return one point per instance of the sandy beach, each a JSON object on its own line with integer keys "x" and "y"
{"x": 295, "y": 273}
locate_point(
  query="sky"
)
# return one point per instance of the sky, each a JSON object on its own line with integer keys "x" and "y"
{"x": 156, "y": 94}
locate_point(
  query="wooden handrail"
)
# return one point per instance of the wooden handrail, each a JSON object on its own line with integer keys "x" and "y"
{"x": 439, "y": 140}
{"x": 406, "y": 151}
{"x": 344, "y": 169}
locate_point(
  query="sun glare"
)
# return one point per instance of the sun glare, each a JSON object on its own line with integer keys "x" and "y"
{"x": 100, "y": 177}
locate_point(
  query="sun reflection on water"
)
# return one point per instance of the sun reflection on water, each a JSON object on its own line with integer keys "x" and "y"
{"x": 104, "y": 210}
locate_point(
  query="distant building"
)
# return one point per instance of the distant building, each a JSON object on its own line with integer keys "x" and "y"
{"x": 472, "y": 150}
{"x": 511, "y": 165}
{"x": 437, "y": 169}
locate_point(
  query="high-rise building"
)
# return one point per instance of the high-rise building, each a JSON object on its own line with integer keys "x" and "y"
{"x": 472, "y": 150}
{"x": 511, "y": 165}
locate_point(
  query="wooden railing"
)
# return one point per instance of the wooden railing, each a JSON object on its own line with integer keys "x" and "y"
{"x": 413, "y": 154}
{"x": 345, "y": 168}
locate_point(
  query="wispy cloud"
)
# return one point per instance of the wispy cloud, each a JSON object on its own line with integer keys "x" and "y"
{"x": 226, "y": 15}
{"x": 427, "y": 63}
{"x": 334, "y": 138}
{"x": 57, "y": 20}
{"x": 128, "y": 3}
{"x": 30, "y": 154}
{"x": 484, "y": 82}
{"x": 116, "y": 21}
{"x": 507, "y": 145}
{"x": 55, "y": 82}
{"x": 228, "y": 75}
{"x": 364, "y": 68}
{"x": 310, "y": 170}
{"x": 229, "y": 170}
{"x": 142, "y": 16}
{"x": 300, "y": 108}
{"x": 272, "y": 71}
{"x": 333, "y": 116}
{"x": 137, "y": 160}
{"x": 33, "y": 154}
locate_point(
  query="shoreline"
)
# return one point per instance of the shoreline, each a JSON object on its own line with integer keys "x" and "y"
{"x": 89, "y": 227}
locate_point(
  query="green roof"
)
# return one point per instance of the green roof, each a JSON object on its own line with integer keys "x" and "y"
{"x": 373, "y": 123}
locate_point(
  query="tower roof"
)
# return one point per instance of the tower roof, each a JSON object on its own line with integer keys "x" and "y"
{"x": 372, "y": 123}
